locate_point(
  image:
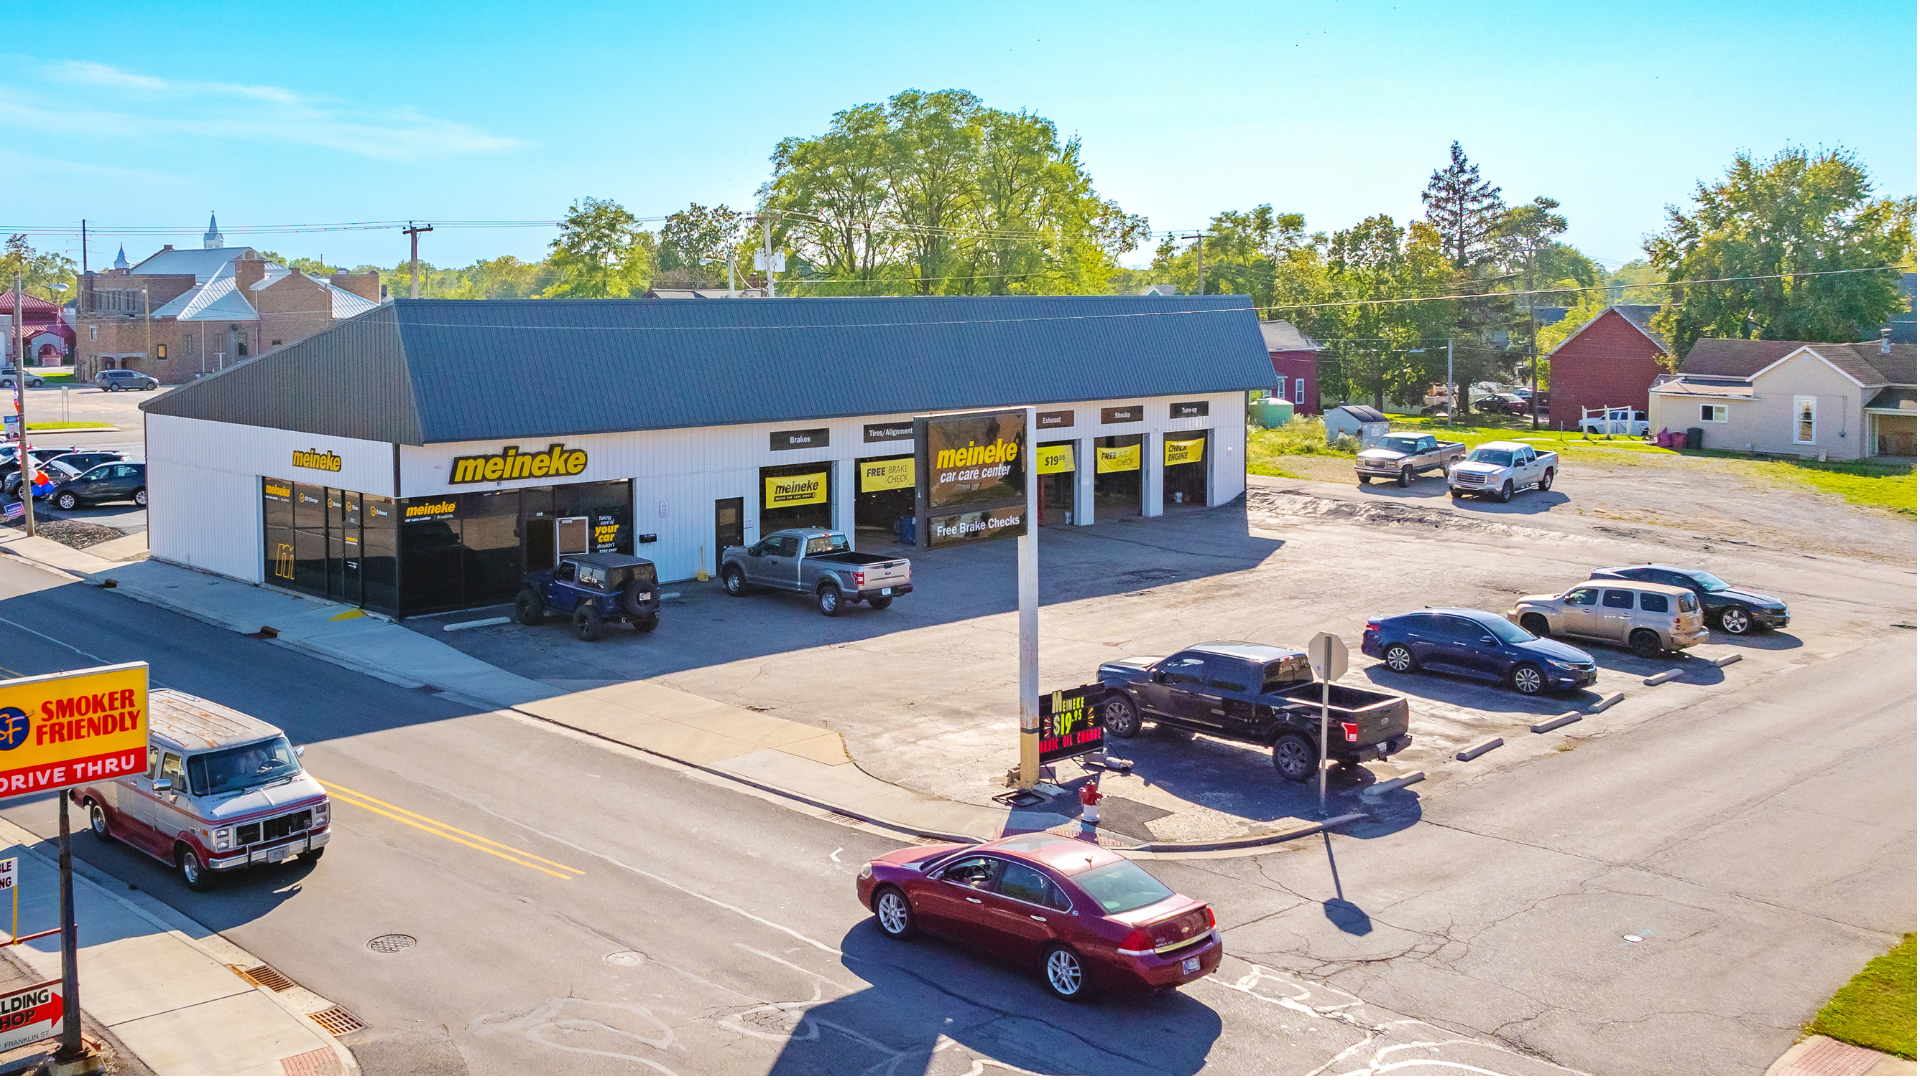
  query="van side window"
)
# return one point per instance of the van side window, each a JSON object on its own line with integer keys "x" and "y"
{"x": 1617, "y": 598}
{"x": 1653, "y": 602}
{"x": 563, "y": 572}
{"x": 170, "y": 770}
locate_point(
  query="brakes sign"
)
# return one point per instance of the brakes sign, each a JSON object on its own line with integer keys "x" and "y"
{"x": 72, "y": 727}
{"x": 29, "y": 1016}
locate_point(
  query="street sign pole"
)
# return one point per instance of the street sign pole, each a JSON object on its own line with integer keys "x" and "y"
{"x": 1327, "y": 656}
{"x": 1030, "y": 624}
{"x": 70, "y": 1045}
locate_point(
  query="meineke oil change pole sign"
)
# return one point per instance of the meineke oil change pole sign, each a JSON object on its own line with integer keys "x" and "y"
{"x": 972, "y": 476}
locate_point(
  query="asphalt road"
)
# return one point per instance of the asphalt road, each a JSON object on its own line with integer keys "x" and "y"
{"x": 576, "y": 910}
{"x": 579, "y": 910}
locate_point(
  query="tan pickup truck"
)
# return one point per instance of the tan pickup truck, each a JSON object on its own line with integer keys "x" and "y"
{"x": 1403, "y": 455}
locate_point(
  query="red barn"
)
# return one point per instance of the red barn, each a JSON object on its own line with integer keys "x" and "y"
{"x": 1611, "y": 361}
{"x": 1296, "y": 362}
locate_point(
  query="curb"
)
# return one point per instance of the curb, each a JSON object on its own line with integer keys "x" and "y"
{"x": 1664, "y": 676}
{"x": 1170, "y": 846}
{"x": 1606, "y": 703}
{"x": 1730, "y": 658}
{"x": 1557, "y": 722}
{"x": 1395, "y": 784}
{"x": 186, "y": 929}
{"x": 1475, "y": 751}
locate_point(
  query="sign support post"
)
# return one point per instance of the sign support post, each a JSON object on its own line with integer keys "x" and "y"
{"x": 1029, "y": 557}
{"x": 1327, "y": 656}
{"x": 70, "y": 1045}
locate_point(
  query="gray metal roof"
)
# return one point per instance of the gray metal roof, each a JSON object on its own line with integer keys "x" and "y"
{"x": 430, "y": 371}
{"x": 202, "y": 263}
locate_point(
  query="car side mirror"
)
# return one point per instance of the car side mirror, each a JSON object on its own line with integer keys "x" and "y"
{"x": 299, "y": 751}
{"x": 1159, "y": 676}
{"x": 162, "y": 785}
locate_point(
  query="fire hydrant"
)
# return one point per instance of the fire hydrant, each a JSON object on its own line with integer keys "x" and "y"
{"x": 1090, "y": 797}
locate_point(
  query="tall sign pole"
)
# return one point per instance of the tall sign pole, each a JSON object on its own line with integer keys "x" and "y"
{"x": 1327, "y": 656}
{"x": 70, "y": 1047}
{"x": 1030, "y": 626}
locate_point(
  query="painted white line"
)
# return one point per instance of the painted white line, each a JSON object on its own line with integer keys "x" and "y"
{"x": 496, "y": 621}
{"x": 835, "y": 854}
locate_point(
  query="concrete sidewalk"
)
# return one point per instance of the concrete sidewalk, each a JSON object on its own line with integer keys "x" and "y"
{"x": 171, "y": 991}
{"x": 798, "y": 761}
{"x": 1821, "y": 1056}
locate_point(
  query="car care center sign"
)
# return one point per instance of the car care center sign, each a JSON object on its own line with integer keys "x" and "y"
{"x": 1070, "y": 722}
{"x": 971, "y": 472}
{"x": 29, "y": 1015}
{"x": 72, "y": 727}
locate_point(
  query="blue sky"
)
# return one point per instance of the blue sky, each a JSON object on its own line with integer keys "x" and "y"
{"x": 283, "y": 114}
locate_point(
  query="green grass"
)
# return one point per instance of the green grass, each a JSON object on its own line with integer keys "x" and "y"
{"x": 58, "y": 425}
{"x": 1890, "y": 487}
{"x": 1876, "y": 1009}
{"x": 54, "y": 379}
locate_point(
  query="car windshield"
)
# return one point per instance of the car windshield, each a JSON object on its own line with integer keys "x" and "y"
{"x": 1708, "y": 581}
{"x": 241, "y": 766}
{"x": 1506, "y": 631}
{"x": 1121, "y": 886}
{"x": 830, "y": 544}
{"x": 1405, "y": 444}
{"x": 1489, "y": 456}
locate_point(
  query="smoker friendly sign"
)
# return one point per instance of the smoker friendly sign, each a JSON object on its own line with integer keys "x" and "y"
{"x": 72, "y": 727}
{"x": 972, "y": 475}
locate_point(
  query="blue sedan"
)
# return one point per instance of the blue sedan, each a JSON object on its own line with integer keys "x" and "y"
{"x": 1477, "y": 644}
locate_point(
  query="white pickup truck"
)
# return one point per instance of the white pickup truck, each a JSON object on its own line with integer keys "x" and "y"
{"x": 1499, "y": 469}
{"x": 1614, "y": 420}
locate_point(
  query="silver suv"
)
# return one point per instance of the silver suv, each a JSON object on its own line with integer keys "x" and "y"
{"x": 1650, "y": 619}
{"x": 125, "y": 379}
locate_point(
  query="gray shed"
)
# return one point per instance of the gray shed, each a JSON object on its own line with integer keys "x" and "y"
{"x": 1360, "y": 421}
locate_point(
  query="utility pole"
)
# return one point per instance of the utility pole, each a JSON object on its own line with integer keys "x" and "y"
{"x": 413, "y": 233}
{"x": 83, "y": 247}
{"x": 1199, "y": 257}
{"x": 765, "y": 259}
{"x": 1533, "y": 347}
{"x": 20, "y": 411}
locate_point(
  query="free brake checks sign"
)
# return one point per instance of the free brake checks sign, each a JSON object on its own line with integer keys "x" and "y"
{"x": 72, "y": 727}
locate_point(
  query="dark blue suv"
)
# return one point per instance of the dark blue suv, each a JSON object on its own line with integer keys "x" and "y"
{"x": 1477, "y": 644}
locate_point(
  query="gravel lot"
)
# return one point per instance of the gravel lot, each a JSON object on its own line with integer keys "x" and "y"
{"x": 925, "y": 692}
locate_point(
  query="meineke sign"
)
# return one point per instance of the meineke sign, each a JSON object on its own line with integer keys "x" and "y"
{"x": 971, "y": 476}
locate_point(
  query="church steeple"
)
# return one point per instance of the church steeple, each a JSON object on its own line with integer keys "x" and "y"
{"x": 120, "y": 260}
{"x": 213, "y": 239}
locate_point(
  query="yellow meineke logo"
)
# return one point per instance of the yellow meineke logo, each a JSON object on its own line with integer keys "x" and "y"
{"x": 511, "y": 464}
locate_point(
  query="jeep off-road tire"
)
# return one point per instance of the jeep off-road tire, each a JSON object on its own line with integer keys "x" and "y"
{"x": 647, "y": 625}
{"x": 529, "y": 609}
{"x": 587, "y": 623}
{"x": 630, "y": 601}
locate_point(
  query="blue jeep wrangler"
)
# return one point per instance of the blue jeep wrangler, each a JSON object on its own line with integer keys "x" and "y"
{"x": 593, "y": 590}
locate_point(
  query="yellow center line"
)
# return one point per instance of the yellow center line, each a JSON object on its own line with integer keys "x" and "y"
{"x": 447, "y": 836}
{"x": 475, "y": 836}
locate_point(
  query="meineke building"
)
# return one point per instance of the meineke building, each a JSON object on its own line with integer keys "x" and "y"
{"x": 422, "y": 456}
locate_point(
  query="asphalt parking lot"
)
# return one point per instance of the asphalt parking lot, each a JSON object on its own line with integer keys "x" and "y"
{"x": 924, "y": 693}
{"x": 83, "y": 404}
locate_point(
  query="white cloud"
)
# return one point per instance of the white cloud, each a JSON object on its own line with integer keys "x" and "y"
{"x": 100, "y": 99}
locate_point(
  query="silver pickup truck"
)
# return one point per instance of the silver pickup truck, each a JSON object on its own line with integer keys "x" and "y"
{"x": 816, "y": 561}
{"x": 1498, "y": 469}
{"x": 1403, "y": 455}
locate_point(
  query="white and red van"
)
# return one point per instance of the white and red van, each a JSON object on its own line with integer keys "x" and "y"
{"x": 222, "y": 790}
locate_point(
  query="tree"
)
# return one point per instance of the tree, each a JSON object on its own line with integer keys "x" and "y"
{"x": 1776, "y": 225}
{"x": 1464, "y": 209}
{"x": 937, "y": 193}
{"x": 40, "y": 271}
{"x": 696, "y": 244}
{"x": 601, "y": 252}
{"x": 1525, "y": 231}
{"x": 1244, "y": 253}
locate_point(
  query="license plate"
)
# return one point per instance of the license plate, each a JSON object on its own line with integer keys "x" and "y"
{"x": 888, "y": 591}
{"x": 278, "y": 854}
{"x": 1189, "y": 965}
{"x": 1382, "y": 747}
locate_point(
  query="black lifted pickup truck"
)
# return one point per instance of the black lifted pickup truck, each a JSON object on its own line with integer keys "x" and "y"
{"x": 1256, "y": 694}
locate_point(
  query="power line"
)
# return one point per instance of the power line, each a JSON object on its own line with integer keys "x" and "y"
{"x": 1577, "y": 289}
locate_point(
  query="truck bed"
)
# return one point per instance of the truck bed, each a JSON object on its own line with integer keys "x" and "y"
{"x": 1381, "y": 716}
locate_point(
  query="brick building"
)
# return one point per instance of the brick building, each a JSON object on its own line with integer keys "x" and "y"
{"x": 47, "y": 339}
{"x": 1611, "y": 361}
{"x": 1296, "y": 365}
{"x": 179, "y": 314}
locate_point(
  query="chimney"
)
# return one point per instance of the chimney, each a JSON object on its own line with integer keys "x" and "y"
{"x": 166, "y": 247}
{"x": 246, "y": 272}
{"x": 1886, "y": 340}
{"x": 365, "y": 286}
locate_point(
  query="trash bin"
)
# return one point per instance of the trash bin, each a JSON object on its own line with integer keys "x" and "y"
{"x": 1696, "y": 437}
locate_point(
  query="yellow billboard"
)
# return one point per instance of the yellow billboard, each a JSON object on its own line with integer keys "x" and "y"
{"x": 1186, "y": 451}
{"x": 888, "y": 475}
{"x": 1054, "y": 459}
{"x": 72, "y": 727}
{"x": 795, "y": 490}
{"x": 1119, "y": 458}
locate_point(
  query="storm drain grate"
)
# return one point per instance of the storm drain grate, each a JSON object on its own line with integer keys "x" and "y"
{"x": 264, "y": 975}
{"x": 336, "y": 1020}
{"x": 844, "y": 819}
{"x": 321, "y": 1062}
{"x": 392, "y": 943}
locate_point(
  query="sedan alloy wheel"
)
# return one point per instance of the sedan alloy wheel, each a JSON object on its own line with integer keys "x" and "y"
{"x": 1735, "y": 620}
{"x": 1399, "y": 659}
{"x": 1066, "y": 976}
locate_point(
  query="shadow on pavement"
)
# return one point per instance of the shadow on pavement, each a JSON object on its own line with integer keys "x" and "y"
{"x": 928, "y": 997}
{"x": 1470, "y": 693}
{"x": 1764, "y": 641}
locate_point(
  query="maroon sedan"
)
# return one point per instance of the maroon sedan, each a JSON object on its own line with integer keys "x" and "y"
{"x": 1087, "y": 916}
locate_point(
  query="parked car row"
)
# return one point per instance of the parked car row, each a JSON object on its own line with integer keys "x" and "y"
{"x": 70, "y": 478}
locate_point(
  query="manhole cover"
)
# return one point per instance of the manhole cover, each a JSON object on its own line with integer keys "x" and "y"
{"x": 624, "y": 959}
{"x": 391, "y": 943}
